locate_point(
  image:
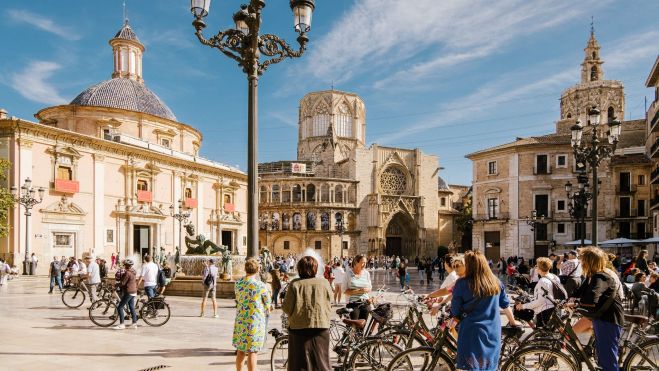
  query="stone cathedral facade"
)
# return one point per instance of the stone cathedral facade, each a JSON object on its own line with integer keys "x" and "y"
{"x": 343, "y": 198}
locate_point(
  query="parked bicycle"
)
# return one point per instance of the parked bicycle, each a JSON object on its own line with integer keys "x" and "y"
{"x": 74, "y": 296}
{"x": 154, "y": 311}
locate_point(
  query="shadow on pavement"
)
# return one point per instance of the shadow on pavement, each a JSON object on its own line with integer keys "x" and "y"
{"x": 165, "y": 353}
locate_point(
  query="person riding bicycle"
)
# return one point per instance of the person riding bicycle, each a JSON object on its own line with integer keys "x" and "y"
{"x": 128, "y": 294}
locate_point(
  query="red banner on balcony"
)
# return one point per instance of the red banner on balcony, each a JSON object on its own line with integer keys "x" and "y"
{"x": 191, "y": 203}
{"x": 229, "y": 207}
{"x": 144, "y": 196}
{"x": 67, "y": 186}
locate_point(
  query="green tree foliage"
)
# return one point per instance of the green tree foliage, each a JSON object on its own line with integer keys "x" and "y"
{"x": 464, "y": 221}
{"x": 6, "y": 199}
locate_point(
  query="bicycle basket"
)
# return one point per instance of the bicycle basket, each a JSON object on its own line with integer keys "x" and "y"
{"x": 382, "y": 313}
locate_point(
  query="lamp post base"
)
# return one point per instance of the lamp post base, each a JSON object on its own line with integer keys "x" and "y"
{"x": 26, "y": 268}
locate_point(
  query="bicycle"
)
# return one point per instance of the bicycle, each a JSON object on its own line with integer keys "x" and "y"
{"x": 153, "y": 311}
{"x": 428, "y": 358}
{"x": 74, "y": 296}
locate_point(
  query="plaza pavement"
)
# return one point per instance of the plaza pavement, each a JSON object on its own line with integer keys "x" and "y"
{"x": 39, "y": 333}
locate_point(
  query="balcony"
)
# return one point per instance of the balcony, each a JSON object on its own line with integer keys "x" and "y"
{"x": 190, "y": 203}
{"x": 626, "y": 189}
{"x": 629, "y": 213}
{"x": 654, "y": 176}
{"x": 541, "y": 170}
{"x": 67, "y": 186}
{"x": 635, "y": 236}
{"x": 497, "y": 216}
{"x": 653, "y": 149}
{"x": 144, "y": 196}
{"x": 654, "y": 202}
{"x": 655, "y": 119}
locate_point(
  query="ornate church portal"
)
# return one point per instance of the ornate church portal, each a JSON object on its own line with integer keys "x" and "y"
{"x": 400, "y": 236}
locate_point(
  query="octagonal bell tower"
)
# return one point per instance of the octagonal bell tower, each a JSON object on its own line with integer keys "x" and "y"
{"x": 331, "y": 125}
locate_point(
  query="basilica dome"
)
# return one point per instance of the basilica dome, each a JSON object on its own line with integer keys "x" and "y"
{"x": 124, "y": 93}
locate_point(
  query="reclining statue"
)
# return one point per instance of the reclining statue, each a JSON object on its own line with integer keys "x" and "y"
{"x": 200, "y": 245}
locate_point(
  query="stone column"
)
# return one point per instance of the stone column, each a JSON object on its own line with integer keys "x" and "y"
{"x": 99, "y": 205}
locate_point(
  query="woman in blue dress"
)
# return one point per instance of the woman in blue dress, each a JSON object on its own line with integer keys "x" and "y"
{"x": 477, "y": 298}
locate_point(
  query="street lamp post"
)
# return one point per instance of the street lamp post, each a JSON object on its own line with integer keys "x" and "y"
{"x": 579, "y": 203}
{"x": 245, "y": 45}
{"x": 26, "y": 197}
{"x": 182, "y": 215}
{"x": 593, "y": 152}
{"x": 534, "y": 220}
{"x": 340, "y": 227}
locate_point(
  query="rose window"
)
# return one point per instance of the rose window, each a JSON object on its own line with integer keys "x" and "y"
{"x": 393, "y": 181}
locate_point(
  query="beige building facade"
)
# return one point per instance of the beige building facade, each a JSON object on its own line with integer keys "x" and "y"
{"x": 512, "y": 180}
{"x": 343, "y": 198}
{"x": 652, "y": 144}
{"x": 112, "y": 163}
{"x": 451, "y": 202}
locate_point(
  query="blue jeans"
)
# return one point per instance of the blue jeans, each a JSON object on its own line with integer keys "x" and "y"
{"x": 54, "y": 279}
{"x": 607, "y": 337}
{"x": 130, "y": 300}
{"x": 150, "y": 291}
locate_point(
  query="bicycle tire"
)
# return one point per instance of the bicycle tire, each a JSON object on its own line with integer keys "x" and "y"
{"x": 73, "y": 297}
{"x": 637, "y": 362}
{"x": 540, "y": 358}
{"x": 336, "y": 332}
{"x": 374, "y": 354}
{"x": 401, "y": 338}
{"x": 509, "y": 345}
{"x": 103, "y": 313}
{"x": 421, "y": 359}
{"x": 279, "y": 354}
{"x": 154, "y": 316}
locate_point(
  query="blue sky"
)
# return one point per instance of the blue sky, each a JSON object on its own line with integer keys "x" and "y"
{"x": 450, "y": 77}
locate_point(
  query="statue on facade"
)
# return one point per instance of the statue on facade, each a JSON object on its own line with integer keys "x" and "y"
{"x": 199, "y": 245}
{"x": 227, "y": 265}
{"x": 162, "y": 255}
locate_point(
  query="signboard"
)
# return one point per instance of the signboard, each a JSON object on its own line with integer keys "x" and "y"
{"x": 297, "y": 167}
{"x": 67, "y": 186}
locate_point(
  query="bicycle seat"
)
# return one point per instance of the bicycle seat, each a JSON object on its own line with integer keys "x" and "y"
{"x": 343, "y": 311}
{"x": 636, "y": 319}
{"x": 357, "y": 323}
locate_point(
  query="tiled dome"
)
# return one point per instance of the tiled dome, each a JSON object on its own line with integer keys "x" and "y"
{"x": 125, "y": 94}
{"x": 126, "y": 33}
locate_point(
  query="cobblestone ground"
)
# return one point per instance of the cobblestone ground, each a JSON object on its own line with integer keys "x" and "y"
{"x": 40, "y": 333}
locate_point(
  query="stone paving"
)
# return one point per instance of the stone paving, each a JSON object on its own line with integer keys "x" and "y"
{"x": 40, "y": 333}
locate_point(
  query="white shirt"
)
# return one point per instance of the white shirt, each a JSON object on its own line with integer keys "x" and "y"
{"x": 449, "y": 281}
{"x": 339, "y": 274}
{"x": 82, "y": 268}
{"x": 150, "y": 274}
{"x": 540, "y": 301}
{"x": 534, "y": 275}
{"x": 94, "y": 273}
{"x": 34, "y": 259}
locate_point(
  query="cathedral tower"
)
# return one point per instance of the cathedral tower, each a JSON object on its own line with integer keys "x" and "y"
{"x": 593, "y": 91}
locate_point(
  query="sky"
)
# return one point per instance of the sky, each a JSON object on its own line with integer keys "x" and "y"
{"x": 449, "y": 77}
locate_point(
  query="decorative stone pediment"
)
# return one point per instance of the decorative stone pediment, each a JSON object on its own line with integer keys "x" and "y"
{"x": 230, "y": 218}
{"x": 63, "y": 211}
{"x": 64, "y": 151}
{"x": 390, "y": 205}
{"x": 144, "y": 210}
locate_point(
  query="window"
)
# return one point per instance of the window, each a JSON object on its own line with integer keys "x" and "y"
{"x": 63, "y": 240}
{"x": 560, "y": 228}
{"x": 107, "y": 134}
{"x": 64, "y": 173}
{"x": 318, "y": 245}
{"x": 561, "y": 161}
{"x": 641, "y": 207}
{"x": 287, "y": 245}
{"x": 625, "y": 182}
{"x": 492, "y": 168}
{"x": 492, "y": 208}
{"x": 227, "y": 199}
{"x": 165, "y": 142}
{"x": 345, "y": 245}
{"x": 560, "y": 205}
{"x": 541, "y": 165}
{"x": 188, "y": 193}
{"x": 442, "y": 201}
{"x": 142, "y": 185}
{"x": 641, "y": 180}
{"x": 593, "y": 74}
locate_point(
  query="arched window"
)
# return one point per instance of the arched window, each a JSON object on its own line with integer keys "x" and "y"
{"x": 611, "y": 114}
{"x": 311, "y": 193}
{"x": 142, "y": 185}
{"x": 297, "y": 221}
{"x": 338, "y": 219}
{"x": 297, "y": 193}
{"x": 263, "y": 195}
{"x": 594, "y": 55}
{"x": 324, "y": 193}
{"x": 286, "y": 193}
{"x": 593, "y": 73}
{"x": 227, "y": 199}
{"x": 285, "y": 222}
{"x": 569, "y": 115}
{"x": 263, "y": 221}
{"x": 325, "y": 221}
{"x": 275, "y": 221}
{"x": 188, "y": 192}
{"x": 311, "y": 221}
{"x": 338, "y": 194}
{"x": 276, "y": 194}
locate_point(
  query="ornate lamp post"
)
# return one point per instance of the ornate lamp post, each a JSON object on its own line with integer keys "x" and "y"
{"x": 579, "y": 203}
{"x": 245, "y": 45}
{"x": 594, "y": 151}
{"x": 534, "y": 220}
{"x": 340, "y": 227}
{"x": 182, "y": 215}
{"x": 26, "y": 197}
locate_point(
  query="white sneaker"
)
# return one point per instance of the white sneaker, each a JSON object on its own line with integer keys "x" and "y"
{"x": 119, "y": 327}
{"x": 134, "y": 325}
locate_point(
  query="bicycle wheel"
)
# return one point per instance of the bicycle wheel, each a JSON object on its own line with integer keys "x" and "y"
{"x": 646, "y": 357}
{"x": 373, "y": 354}
{"x": 279, "y": 354}
{"x": 421, "y": 359}
{"x": 103, "y": 313}
{"x": 403, "y": 338}
{"x": 539, "y": 358}
{"x": 336, "y": 331}
{"x": 73, "y": 297}
{"x": 155, "y": 313}
{"x": 509, "y": 345}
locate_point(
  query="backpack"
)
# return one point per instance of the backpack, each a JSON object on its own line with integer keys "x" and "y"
{"x": 103, "y": 270}
{"x": 558, "y": 291}
{"x": 162, "y": 280}
{"x": 208, "y": 280}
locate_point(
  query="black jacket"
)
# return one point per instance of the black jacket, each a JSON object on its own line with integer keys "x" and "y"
{"x": 594, "y": 294}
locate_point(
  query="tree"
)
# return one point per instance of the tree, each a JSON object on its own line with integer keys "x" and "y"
{"x": 465, "y": 221}
{"x": 6, "y": 199}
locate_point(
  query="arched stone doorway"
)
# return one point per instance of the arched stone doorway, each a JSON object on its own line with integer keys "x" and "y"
{"x": 400, "y": 236}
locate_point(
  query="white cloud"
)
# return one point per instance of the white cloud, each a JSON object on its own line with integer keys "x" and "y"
{"x": 42, "y": 23}
{"x": 383, "y": 37}
{"x": 31, "y": 83}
